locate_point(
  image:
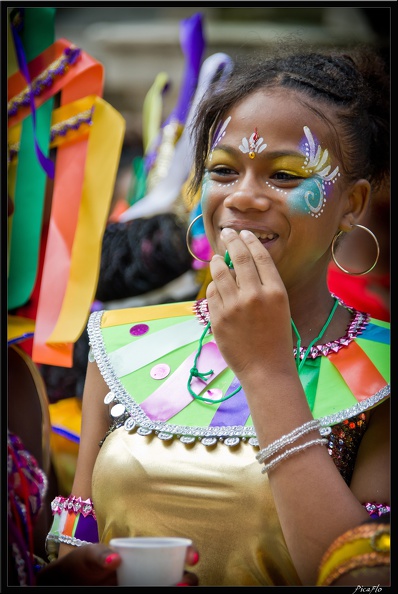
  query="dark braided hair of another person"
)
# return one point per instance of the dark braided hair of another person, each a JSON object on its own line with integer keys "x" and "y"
{"x": 142, "y": 255}
{"x": 348, "y": 89}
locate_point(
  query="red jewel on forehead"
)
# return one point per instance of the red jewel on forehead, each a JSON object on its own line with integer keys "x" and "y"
{"x": 252, "y": 145}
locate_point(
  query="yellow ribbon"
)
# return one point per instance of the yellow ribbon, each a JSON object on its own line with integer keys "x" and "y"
{"x": 18, "y": 327}
{"x": 152, "y": 111}
{"x": 104, "y": 148}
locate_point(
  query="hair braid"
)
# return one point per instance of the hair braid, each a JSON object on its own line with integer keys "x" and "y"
{"x": 141, "y": 255}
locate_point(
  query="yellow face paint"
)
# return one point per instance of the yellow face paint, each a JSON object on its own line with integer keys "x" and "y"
{"x": 291, "y": 165}
{"x": 221, "y": 156}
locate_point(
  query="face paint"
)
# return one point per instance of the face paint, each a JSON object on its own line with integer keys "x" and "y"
{"x": 290, "y": 165}
{"x": 227, "y": 185}
{"x": 222, "y": 157}
{"x": 206, "y": 187}
{"x": 317, "y": 160}
{"x": 253, "y": 145}
{"x": 218, "y": 135}
{"x": 311, "y": 195}
{"x": 308, "y": 197}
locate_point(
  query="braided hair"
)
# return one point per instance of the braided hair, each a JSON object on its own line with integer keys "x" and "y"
{"x": 142, "y": 255}
{"x": 347, "y": 89}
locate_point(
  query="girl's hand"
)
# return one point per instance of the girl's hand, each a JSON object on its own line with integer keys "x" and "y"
{"x": 249, "y": 306}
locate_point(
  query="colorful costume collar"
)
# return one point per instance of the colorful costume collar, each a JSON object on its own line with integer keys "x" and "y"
{"x": 145, "y": 354}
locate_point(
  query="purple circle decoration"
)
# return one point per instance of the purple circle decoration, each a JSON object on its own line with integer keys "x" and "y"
{"x": 139, "y": 329}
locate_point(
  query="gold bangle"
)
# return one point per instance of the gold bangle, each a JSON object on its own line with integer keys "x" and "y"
{"x": 367, "y": 545}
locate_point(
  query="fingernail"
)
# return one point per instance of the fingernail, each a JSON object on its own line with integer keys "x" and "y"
{"x": 246, "y": 234}
{"x": 110, "y": 558}
{"x": 226, "y": 232}
{"x": 195, "y": 558}
{"x": 183, "y": 584}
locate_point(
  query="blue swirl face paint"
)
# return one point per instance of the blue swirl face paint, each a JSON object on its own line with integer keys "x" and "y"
{"x": 308, "y": 197}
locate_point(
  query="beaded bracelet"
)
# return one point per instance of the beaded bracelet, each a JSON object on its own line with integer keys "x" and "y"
{"x": 291, "y": 451}
{"x": 291, "y": 437}
{"x": 367, "y": 545}
{"x": 74, "y": 523}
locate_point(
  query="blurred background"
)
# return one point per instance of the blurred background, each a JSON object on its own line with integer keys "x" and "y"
{"x": 136, "y": 43}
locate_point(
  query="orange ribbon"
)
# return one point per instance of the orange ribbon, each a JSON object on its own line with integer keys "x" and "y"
{"x": 85, "y": 174}
{"x": 358, "y": 371}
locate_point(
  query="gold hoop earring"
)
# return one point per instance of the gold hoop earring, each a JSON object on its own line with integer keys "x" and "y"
{"x": 377, "y": 252}
{"x": 191, "y": 224}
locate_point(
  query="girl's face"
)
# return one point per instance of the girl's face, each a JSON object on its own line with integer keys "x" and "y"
{"x": 271, "y": 170}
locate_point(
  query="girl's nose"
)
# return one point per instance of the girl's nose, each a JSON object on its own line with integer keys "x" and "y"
{"x": 248, "y": 196}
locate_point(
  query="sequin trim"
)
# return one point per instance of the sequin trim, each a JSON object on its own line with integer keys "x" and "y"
{"x": 74, "y": 505}
{"x": 45, "y": 80}
{"x": 70, "y": 540}
{"x": 376, "y": 510}
{"x": 59, "y": 129}
{"x": 134, "y": 419}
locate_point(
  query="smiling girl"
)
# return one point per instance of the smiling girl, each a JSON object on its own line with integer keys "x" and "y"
{"x": 258, "y": 423}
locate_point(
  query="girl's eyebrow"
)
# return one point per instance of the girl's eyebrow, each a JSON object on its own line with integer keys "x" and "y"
{"x": 287, "y": 153}
{"x": 269, "y": 155}
{"x": 226, "y": 149}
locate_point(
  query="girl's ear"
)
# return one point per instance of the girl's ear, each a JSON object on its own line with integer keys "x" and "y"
{"x": 357, "y": 204}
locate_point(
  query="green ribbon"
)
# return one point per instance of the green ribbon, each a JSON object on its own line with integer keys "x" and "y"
{"x": 37, "y": 35}
{"x": 309, "y": 376}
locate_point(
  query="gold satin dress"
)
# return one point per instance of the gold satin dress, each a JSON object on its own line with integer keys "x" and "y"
{"x": 216, "y": 496}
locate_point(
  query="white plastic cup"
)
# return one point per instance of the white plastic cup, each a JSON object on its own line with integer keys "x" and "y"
{"x": 150, "y": 560}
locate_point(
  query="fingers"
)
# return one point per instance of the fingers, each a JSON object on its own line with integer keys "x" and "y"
{"x": 98, "y": 555}
{"x": 112, "y": 560}
{"x": 192, "y": 556}
{"x": 88, "y": 565}
{"x": 249, "y": 256}
{"x": 189, "y": 579}
{"x": 251, "y": 261}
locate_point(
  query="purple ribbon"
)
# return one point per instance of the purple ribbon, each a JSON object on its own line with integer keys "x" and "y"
{"x": 87, "y": 529}
{"x": 234, "y": 411}
{"x": 46, "y": 163}
{"x": 192, "y": 44}
{"x": 160, "y": 406}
